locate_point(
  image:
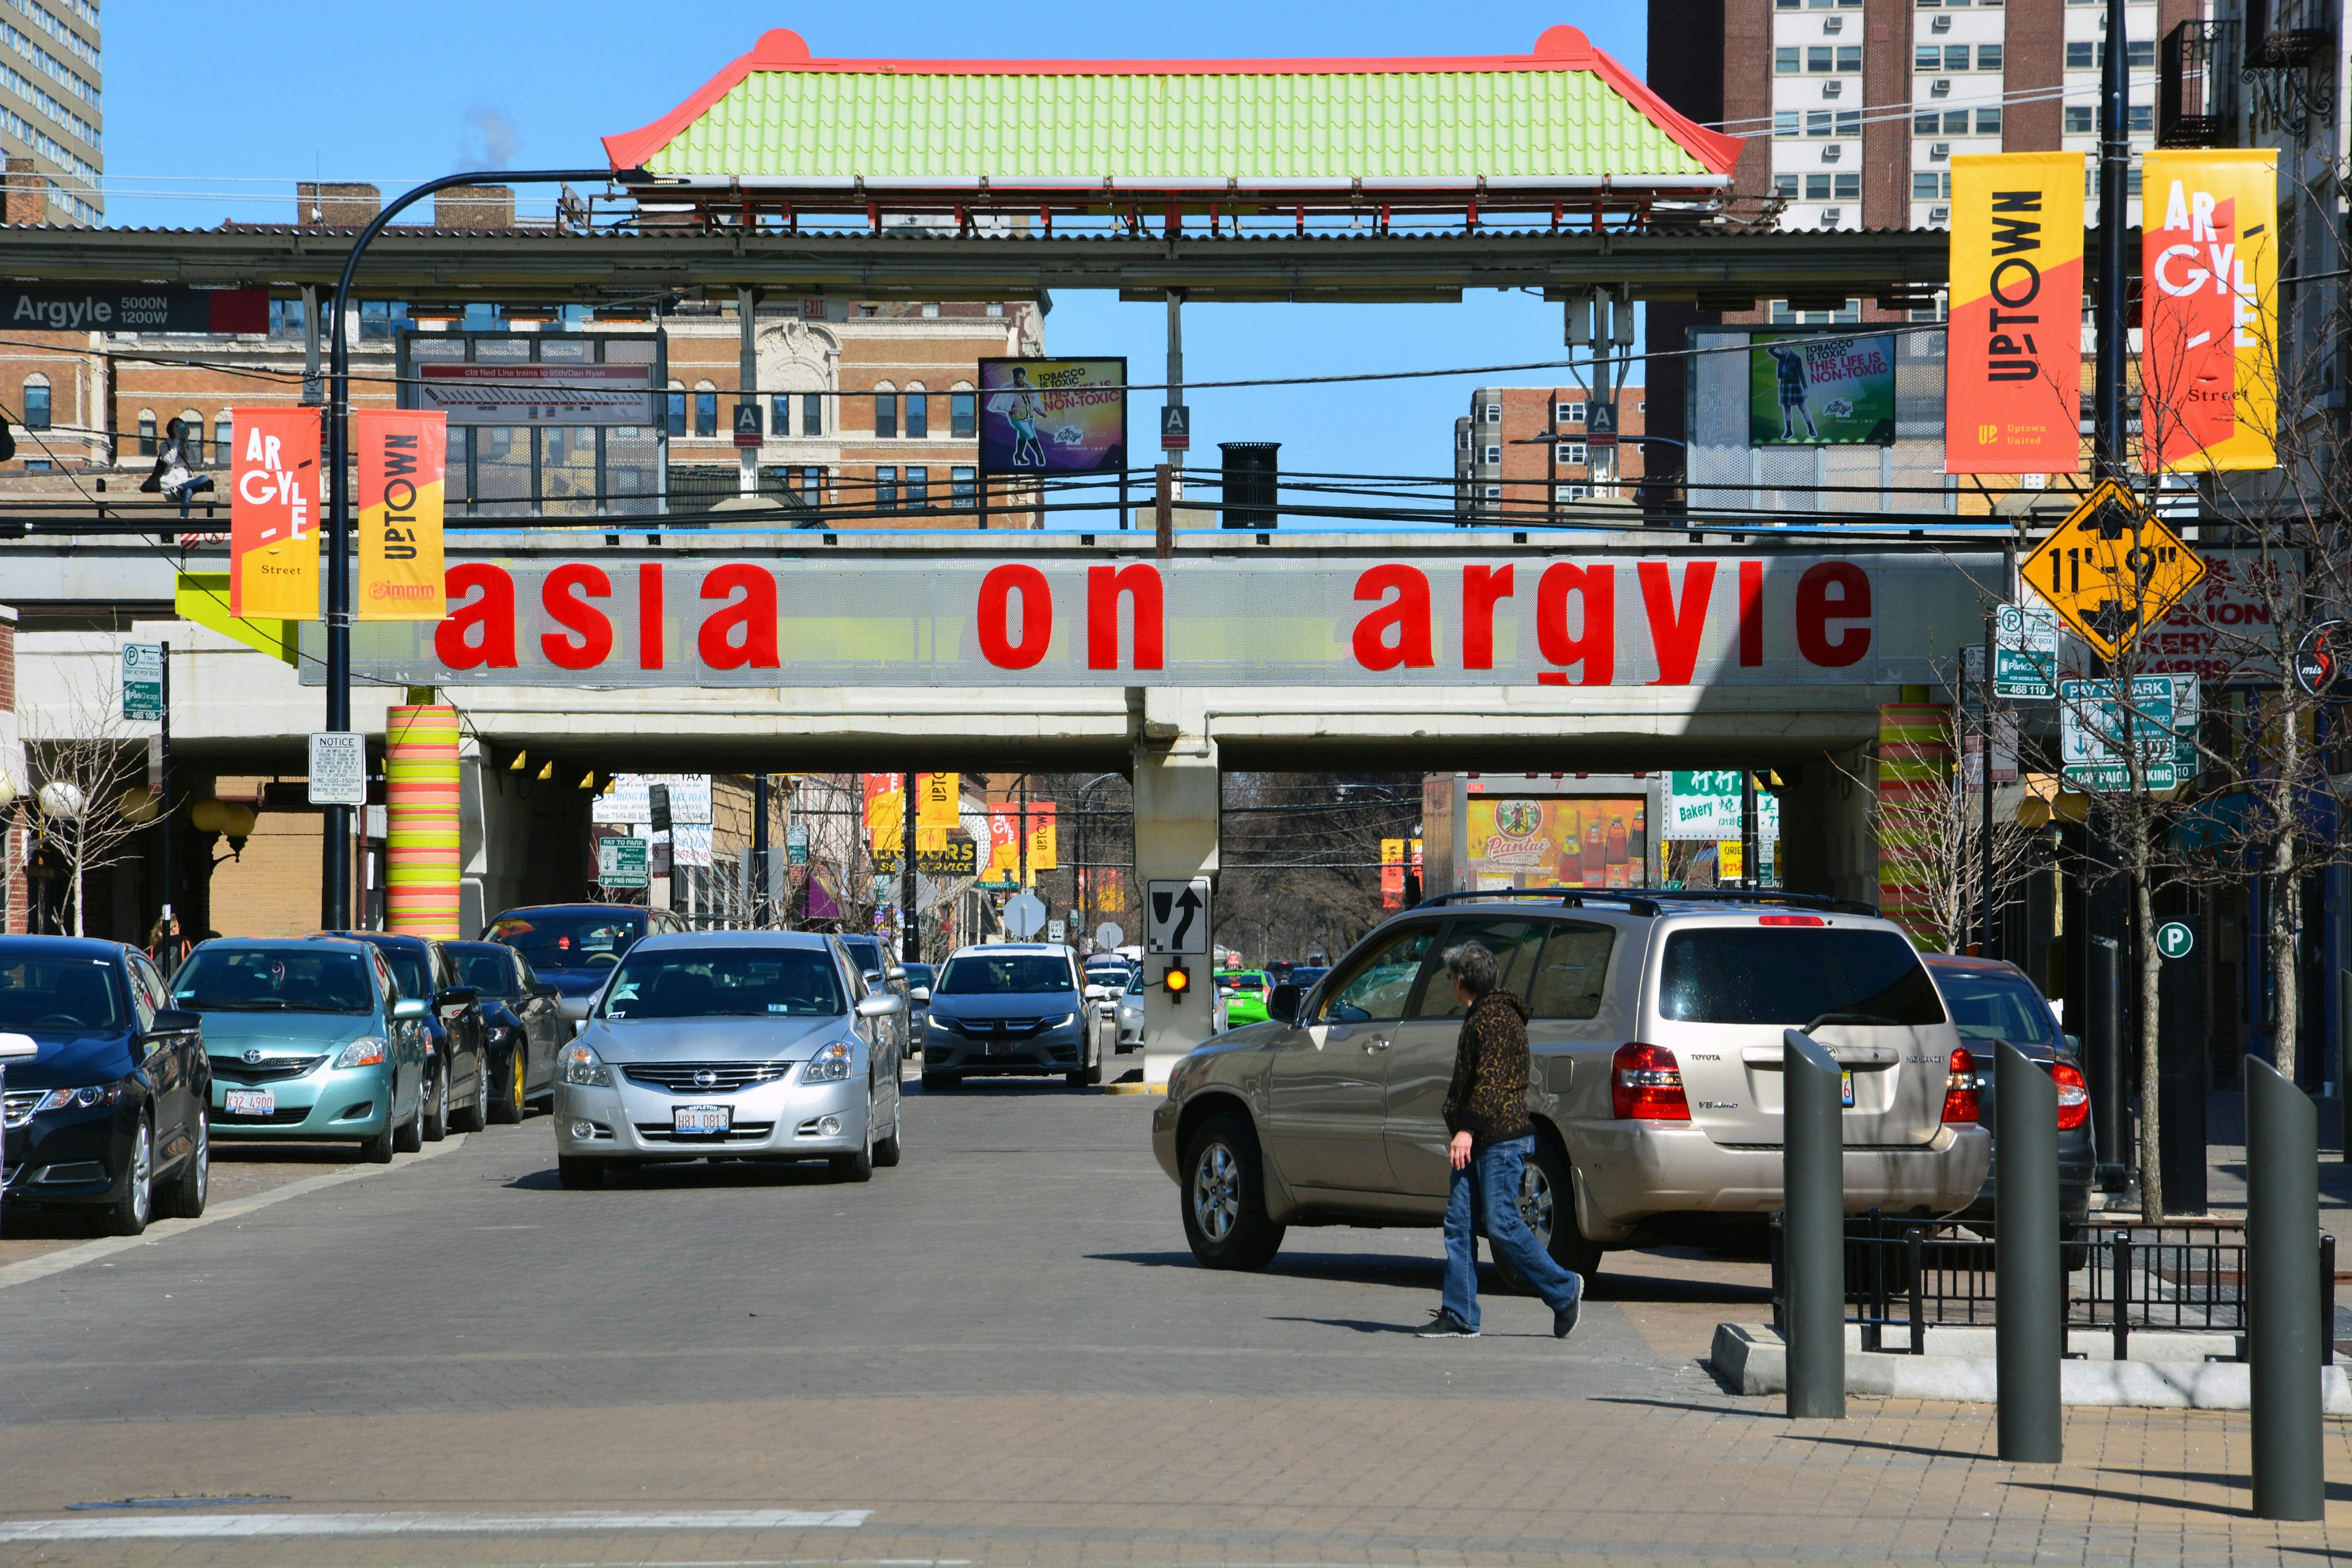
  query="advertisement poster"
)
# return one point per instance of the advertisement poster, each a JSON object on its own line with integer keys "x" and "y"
{"x": 1591, "y": 841}
{"x": 2015, "y": 366}
{"x": 273, "y": 539}
{"x": 885, "y": 814}
{"x": 2208, "y": 261}
{"x": 403, "y": 464}
{"x": 1805, "y": 389}
{"x": 1052, "y": 415}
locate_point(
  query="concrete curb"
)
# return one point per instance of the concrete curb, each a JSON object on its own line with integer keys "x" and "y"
{"x": 57, "y": 1262}
{"x": 1754, "y": 1360}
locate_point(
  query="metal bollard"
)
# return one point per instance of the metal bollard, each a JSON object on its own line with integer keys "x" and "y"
{"x": 1915, "y": 1259}
{"x": 1813, "y": 1181}
{"x": 2029, "y": 1278}
{"x": 2120, "y": 1259}
{"x": 2326, "y": 1298}
{"x": 2281, "y": 1289}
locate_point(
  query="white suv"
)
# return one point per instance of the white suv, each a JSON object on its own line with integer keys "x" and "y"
{"x": 1655, "y": 1027}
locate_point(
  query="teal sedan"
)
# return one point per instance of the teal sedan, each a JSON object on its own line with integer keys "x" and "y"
{"x": 309, "y": 1040}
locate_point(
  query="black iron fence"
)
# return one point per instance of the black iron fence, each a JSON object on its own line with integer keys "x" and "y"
{"x": 1914, "y": 1275}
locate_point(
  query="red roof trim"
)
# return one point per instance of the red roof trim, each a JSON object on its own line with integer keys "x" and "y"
{"x": 1560, "y": 48}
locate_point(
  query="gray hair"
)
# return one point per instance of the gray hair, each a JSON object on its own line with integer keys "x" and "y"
{"x": 1473, "y": 966}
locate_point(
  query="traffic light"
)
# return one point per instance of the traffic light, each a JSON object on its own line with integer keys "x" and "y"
{"x": 1178, "y": 980}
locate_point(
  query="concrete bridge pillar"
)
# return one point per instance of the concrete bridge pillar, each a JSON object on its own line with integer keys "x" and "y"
{"x": 1829, "y": 829}
{"x": 1176, "y": 802}
{"x": 520, "y": 837}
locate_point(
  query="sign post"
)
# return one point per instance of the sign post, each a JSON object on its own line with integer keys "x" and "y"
{"x": 1176, "y": 917}
{"x": 622, "y": 862}
{"x": 2112, "y": 568}
{"x": 338, "y": 767}
{"x": 2024, "y": 653}
{"x": 142, "y": 681}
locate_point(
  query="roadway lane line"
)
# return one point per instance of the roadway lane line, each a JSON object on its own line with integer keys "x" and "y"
{"x": 281, "y": 1526}
{"x": 57, "y": 1262}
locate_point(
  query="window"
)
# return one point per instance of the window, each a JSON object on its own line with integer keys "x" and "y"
{"x": 919, "y": 413}
{"x": 1514, "y": 944}
{"x": 964, "y": 484}
{"x": 1956, "y": 56}
{"x": 1569, "y": 452}
{"x": 885, "y": 489}
{"x": 1784, "y": 122}
{"x": 1817, "y": 187}
{"x": 918, "y": 489}
{"x": 1377, "y": 989}
{"x": 1494, "y": 414}
{"x": 2139, "y": 54}
{"x": 2143, "y": 118}
{"x": 886, "y": 415}
{"x": 1493, "y": 454}
{"x": 224, "y": 437}
{"x": 1753, "y": 975}
{"x": 1573, "y": 413}
{"x": 1988, "y": 120}
{"x": 1574, "y": 493}
{"x": 37, "y": 402}
{"x": 1818, "y": 122}
{"x": 1784, "y": 61}
{"x": 1821, "y": 58}
{"x": 1849, "y": 58}
{"x": 1462, "y": 439}
{"x": 931, "y": 308}
{"x": 1849, "y": 121}
{"x": 1955, "y": 123}
{"x": 2078, "y": 121}
{"x": 1928, "y": 186}
{"x": 378, "y": 317}
{"x": 1570, "y": 978}
{"x": 146, "y": 432}
{"x": 963, "y": 414}
{"x": 996, "y": 308}
{"x": 706, "y": 411}
{"x": 780, "y": 414}
{"x": 676, "y": 419}
{"x": 1849, "y": 187}
{"x": 1927, "y": 57}
{"x": 1494, "y": 493}
{"x": 1987, "y": 57}
{"x": 2079, "y": 57}
{"x": 811, "y": 413}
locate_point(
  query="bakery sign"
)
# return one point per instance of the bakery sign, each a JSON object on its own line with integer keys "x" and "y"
{"x": 1535, "y": 620}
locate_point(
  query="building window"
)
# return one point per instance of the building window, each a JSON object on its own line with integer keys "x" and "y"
{"x": 1784, "y": 122}
{"x": 1573, "y": 413}
{"x": 918, "y": 414}
{"x": 963, "y": 414}
{"x": 1849, "y": 187}
{"x": 995, "y": 308}
{"x": 224, "y": 439}
{"x": 1849, "y": 121}
{"x": 1849, "y": 58}
{"x": 2079, "y": 57}
{"x": 1929, "y": 187}
{"x": 1493, "y": 454}
{"x": 886, "y": 415}
{"x": 1956, "y": 123}
{"x": 146, "y": 432}
{"x": 1494, "y": 414}
{"x": 1784, "y": 61}
{"x": 1988, "y": 120}
{"x": 1574, "y": 493}
{"x": 2143, "y": 119}
{"x": 1821, "y": 58}
{"x": 2078, "y": 121}
{"x": 931, "y": 308}
{"x": 1784, "y": 187}
{"x": 885, "y": 489}
{"x": 675, "y": 413}
{"x": 811, "y": 413}
{"x": 1494, "y": 493}
{"x": 965, "y": 486}
{"x": 192, "y": 431}
{"x": 780, "y": 414}
{"x": 1987, "y": 57}
{"x": 1819, "y": 122}
{"x": 1817, "y": 187}
{"x": 1569, "y": 452}
{"x": 37, "y": 402}
{"x": 706, "y": 411}
{"x": 2139, "y": 54}
{"x": 918, "y": 489}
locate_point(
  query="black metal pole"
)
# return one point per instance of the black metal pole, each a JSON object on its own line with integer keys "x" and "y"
{"x": 2282, "y": 1326}
{"x": 335, "y": 870}
{"x": 1812, "y": 1184}
{"x": 2107, "y": 1064}
{"x": 759, "y": 890}
{"x": 1992, "y": 944}
{"x": 166, "y": 960}
{"x": 2114, "y": 167}
{"x": 2029, "y": 1310}
{"x": 910, "y": 941}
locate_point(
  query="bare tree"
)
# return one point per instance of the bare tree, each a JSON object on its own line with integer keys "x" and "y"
{"x": 1938, "y": 824}
{"x": 84, "y": 760}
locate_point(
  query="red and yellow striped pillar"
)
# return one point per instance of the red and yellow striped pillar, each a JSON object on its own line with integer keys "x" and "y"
{"x": 420, "y": 766}
{"x": 1915, "y": 753}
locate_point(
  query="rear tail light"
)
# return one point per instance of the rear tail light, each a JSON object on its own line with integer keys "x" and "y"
{"x": 1791, "y": 920}
{"x": 1645, "y": 1084}
{"x": 1960, "y": 1087}
{"x": 2073, "y": 1096}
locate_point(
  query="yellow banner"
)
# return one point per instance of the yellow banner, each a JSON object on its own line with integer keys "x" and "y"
{"x": 402, "y": 470}
{"x": 2209, "y": 292}
{"x": 2014, "y": 368}
{"x": 273, "y": 515}
{"x": 940, "y": 802}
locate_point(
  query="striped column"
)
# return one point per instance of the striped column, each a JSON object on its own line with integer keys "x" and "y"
{"x": 420, "y": 766}
{"x": 1915, "y": 754}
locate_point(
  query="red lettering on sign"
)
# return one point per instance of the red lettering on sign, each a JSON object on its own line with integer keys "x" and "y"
{"x": 1751, "y": 613}
{"x": 1595, "y": 646}
{"x": 1142, "y": 584}
{"x": 993, "y": 617}
{"x": 1481, "y": 588}
{"x": 1816, "y": 608}
{"x": 492, "y": 613}
{"x": 1676, "y": 633}
{"x": 649, "y": 616}
{"x": 755, "y": 615}
{"x": 1407, "y": 616}
{"x": 561, "y": 597}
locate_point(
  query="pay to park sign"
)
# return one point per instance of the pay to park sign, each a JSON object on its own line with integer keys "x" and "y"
{"x": 1533, "y": 620}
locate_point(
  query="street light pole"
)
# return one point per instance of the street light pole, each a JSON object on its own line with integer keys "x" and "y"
{"x": 2114, "y": 164}
{"x": 335, "y": 878}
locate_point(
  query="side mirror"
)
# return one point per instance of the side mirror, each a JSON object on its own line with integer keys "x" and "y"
{"x": 545, "y": 989}
{"x": 877, "y": 1007}
{"x": 919, "y": 994}
{"x": 174, "y": 1021}
{"x": 579, "y": 1027}
{"x": 898, "y": 975}
{"x": 1097, "y": 993}
{"x": 455, "y": 996}
{"x": 1282, "y": 1003}
{"x": 410, "y": 1007}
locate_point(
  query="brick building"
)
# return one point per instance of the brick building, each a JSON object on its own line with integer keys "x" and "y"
{"x": 1519, "y": 444}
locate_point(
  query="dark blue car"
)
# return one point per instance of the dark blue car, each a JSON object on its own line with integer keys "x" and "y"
{"x": 108, "y": 1116}
{"x": 576, "y": 947}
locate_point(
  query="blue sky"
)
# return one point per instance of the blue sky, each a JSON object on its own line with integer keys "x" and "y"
{"x": 399, "y": 94}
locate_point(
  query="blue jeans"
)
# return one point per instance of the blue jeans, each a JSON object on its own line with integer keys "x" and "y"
{"x": 1491, "y": 1183}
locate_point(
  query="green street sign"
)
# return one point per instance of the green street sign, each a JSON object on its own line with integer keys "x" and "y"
{"x": 142, "y": 681}
{"x": 2174, "y": 939}
{"x": 2024, "y": 653}
{"x": 622, "y": 862}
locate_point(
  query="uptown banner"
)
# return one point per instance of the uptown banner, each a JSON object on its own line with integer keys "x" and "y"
{"x": 403, "y": 467}
{"x": 2208, "y": 266}
{"x": 2014, "y": 370}
{"x": 273, "y": 515}
{"x": 619, "y": 620}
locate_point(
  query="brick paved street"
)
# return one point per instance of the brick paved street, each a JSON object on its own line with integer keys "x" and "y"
{"x": 1000, "y": 1351}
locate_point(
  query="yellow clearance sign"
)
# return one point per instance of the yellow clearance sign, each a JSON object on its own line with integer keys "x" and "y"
{"x": 2208, "y": 271}
{"x": 403, "y": 470}
{"x": 2015, "y": 365}
{"x": 2112, "y": 569}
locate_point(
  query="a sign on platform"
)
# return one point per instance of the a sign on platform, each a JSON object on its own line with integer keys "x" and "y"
{"x": 622, "y": 862}
{"x": 1052, "y": 415}
{"x": 1809, "y": 389}
{"x": 2024, "y": 653}
{"x": 854, "y": 620}
{"x": 748, "y": 428}
{"x": 1175, "y": 428}
{"x": 134, "y": 308}
{"x": 338, "y": 768}
{"x": 469, "y": 394}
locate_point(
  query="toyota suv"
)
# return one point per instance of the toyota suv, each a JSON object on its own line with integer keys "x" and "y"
{"x": 1655, "y": 1029}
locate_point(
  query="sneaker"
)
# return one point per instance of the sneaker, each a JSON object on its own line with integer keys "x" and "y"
{"x": 1444, "y": 1325}
{"x": 1563, "y": 1323}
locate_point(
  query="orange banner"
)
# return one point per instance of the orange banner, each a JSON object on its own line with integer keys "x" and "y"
{"x": 2208, "y": 271}
{"x": 403, "y": 467}
{"x": 2015, "y": 369}
{"x": 886, "y": 813}
{"x": 273, "y": 539}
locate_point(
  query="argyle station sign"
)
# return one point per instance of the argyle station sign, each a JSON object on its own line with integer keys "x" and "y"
{"x": 1532, "y": 619}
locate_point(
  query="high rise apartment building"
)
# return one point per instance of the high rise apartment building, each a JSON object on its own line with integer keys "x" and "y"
{"x": 1521, "y": 449}
{"x": 50, "y": 113}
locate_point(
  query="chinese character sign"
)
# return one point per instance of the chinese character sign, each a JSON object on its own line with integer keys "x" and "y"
{"x": 273, "y": 543}
{"x": 401, "y": 469}
{"x": 2208, "y": 266}
{"x": 2015, "y": 356}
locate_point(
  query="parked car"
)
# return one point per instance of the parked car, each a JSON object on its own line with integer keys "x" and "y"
{"x": 309, "y": 1039}
{"x": 1244, "y": 992}
{"x": 519, "y": 1012}
{"x": 1991, "y": 1001}
{"x": 574, "y": 947}
{"x": 107, "y": 1119}
{"x": 1131, "y": 1013}
{"x": 731, "y": 1045}
{"x": 1012, "y": 1007}
{"x": 886, "y": 976}
{"x": 920, "y": 978}
{"x": 458, "y": 1073}
{"x": 1656, "y": 1025}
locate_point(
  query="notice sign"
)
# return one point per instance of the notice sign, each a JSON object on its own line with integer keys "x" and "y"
{"x": 2025, "y": 653}
{"x": 142, "y": 681}
{"x": 2015, "y": 367}
{"x": 619, "y": 394}
{"x": 1808, "y": 390}
{"x": 1052, "y": 415}
{"x": 338, "y": 768}
{"x": 401, "y": 469}
{"x": 2093, "y": 722}
{"x": 273, "y": 543}
{"x": 622, "y": 862}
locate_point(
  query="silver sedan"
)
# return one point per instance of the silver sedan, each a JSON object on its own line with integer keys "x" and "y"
{"x": 730, "y": 1045}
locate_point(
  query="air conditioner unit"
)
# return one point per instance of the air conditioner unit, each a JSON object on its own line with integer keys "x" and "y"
{"x": 1939, "y": 215}
{"x": 1940, "y": 25}
{"x": 1833, "y": 153}
{"x": 1938, "y": 151}
{"x": 1833, "y": 216}
{"x": 1833, "y": 89}
{"x": 1942, "y": 89}
{"x": 1836, "y": 25}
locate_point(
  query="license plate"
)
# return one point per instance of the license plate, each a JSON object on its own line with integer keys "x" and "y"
{"x": 1000, "y": 1047}
{"x": 250, "y": 1101}
{"x": 1845, "y": 1088}
{"x": 701, "y": 1118}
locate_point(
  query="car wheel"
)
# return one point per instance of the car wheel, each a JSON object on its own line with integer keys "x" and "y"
{"x": 1223, "y": 1197}
{"x": 508, "y": 1106}
{"x": 411, "y": 1138}
{"x": 474, "y": 1114}
{"x": 184, "y": 1198}
{"x": 857, "y": 1167}
{"x": 888, "y": 1151}
{"x": 939, "y": 1082}
{"x": 437, "y": 1105}
{"x": 579, "y": 1175}
{"x": 1548, "y": 1203}
{"x": 128, "y": 1215}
